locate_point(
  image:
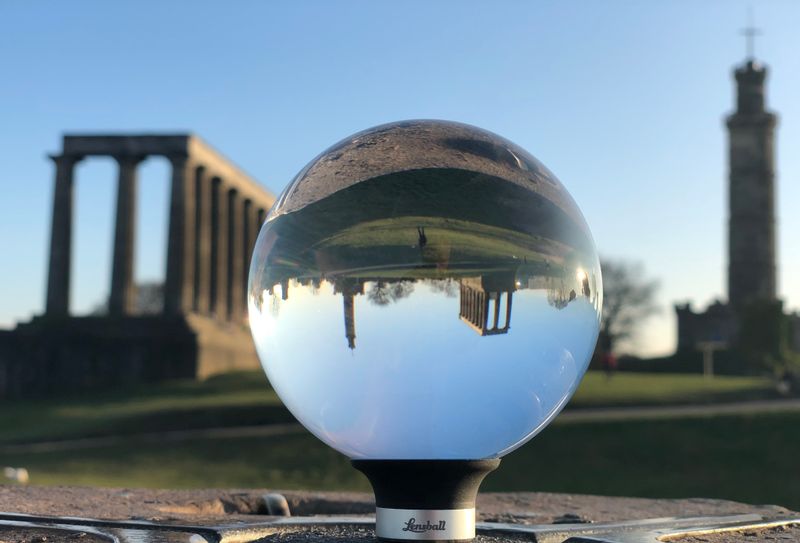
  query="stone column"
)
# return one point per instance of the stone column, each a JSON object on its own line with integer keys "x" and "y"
{"x": 219, "y": 249}
{"x": 248, "y": 220}
{"x": 121, "y": 300}
{"x": 179, "y": 285}
{"x": 58, "y": 276}
{"x": 202, "y": 248}
{"x": 256, "y": 220}
{"x": 235, "y": 260}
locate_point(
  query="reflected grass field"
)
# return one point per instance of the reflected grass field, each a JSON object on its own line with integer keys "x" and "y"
{"x": 469, "y": 240}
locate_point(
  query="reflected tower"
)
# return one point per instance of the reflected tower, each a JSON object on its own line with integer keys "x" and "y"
{"x": 349, "y": 288}
{"x": 350, "y": 321}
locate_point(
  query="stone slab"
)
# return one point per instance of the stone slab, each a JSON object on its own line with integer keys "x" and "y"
{"x": 216, "y": 506}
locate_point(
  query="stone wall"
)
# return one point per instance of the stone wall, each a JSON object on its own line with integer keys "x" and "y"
{"x": 60, "y": 356}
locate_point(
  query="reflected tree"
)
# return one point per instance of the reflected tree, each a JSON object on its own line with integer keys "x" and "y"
{"x": 449, "y": 287}
{"x": 560, "y": 298}
{"x": 384, "y": 293}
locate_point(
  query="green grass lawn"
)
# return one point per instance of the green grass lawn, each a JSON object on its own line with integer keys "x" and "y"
{"x": 241, "y": 399}
{"x": 626, "y": 388}
{"x": 236, "y": 399}
{"x": 747, "y": 458}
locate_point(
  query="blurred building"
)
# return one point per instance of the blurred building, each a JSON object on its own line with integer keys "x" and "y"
{"x": 193, "y": 326}
{"x": 752, "y": 268}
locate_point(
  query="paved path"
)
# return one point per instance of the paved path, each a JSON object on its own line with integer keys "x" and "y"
{"x": 571, "y": 416}
{"x": 155, "y": 437}
{"x": 604, "y": 414}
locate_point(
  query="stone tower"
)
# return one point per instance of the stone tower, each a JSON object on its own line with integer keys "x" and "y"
{"x": 751, "y": 228}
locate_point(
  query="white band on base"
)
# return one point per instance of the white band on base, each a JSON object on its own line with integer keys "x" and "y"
{"x": 425, "y": 524}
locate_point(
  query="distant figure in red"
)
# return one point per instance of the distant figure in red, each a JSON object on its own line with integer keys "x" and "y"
{"x": 609, "y": 363}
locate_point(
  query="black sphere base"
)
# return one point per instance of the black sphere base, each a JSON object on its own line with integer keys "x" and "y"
{"x": 425, "y": 500}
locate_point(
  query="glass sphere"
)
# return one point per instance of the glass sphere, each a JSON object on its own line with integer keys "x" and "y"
{"x": 425, "y": 290}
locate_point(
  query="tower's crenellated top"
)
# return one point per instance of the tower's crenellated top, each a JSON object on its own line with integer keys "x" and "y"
{"x": 750, "y": 78}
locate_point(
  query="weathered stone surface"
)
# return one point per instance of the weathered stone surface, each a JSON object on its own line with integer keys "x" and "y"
{"x": 13, "y": 535}
{"x": 215, "y": 505}
{"x": 360, "y": 534}
{"x": 321, "y": 517}
{"x": 356, "y": 534}
{"x": 546, "y": 508}
{"x": 781, "y": 533}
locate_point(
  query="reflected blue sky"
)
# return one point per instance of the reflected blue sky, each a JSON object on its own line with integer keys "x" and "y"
{"x": 421, "y": 383}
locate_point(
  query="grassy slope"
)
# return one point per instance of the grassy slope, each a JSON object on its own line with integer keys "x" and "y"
{"x": 229, "y": 400}
{"x": 597, "y": 390}
{"x": 747, "y": 458}
{"x": 242, "y": 399}
{"x": 751, "y": 459}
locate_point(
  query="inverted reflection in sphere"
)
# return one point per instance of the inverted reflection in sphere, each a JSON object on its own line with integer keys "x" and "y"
{"x": 425, "y": 289}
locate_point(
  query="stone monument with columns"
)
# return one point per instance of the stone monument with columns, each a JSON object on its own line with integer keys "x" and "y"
{"x": 215, "y": 213}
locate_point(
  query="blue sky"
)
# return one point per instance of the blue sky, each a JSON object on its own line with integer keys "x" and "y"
{"x": 622, "y": 100}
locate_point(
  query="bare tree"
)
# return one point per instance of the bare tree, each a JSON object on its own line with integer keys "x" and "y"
{"x": 449, "y": 287}
{"x": 148, "y": 300}
{"x": 628, "y": 300}
{"x": 386, "y": 292}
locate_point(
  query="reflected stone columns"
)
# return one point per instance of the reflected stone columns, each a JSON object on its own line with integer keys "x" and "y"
{"x": 123, "y": 291}
{"x": 58, "y": 276}
{"x": 178, "y": 291}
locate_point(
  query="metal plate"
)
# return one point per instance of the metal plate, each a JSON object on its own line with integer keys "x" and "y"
{"x": 18, "y": 528}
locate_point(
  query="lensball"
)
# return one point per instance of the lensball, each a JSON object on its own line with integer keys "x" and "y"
{"x": 425, "y": 290}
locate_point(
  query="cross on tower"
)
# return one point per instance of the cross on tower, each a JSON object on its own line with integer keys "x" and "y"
{"x": 750, "y": 32}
